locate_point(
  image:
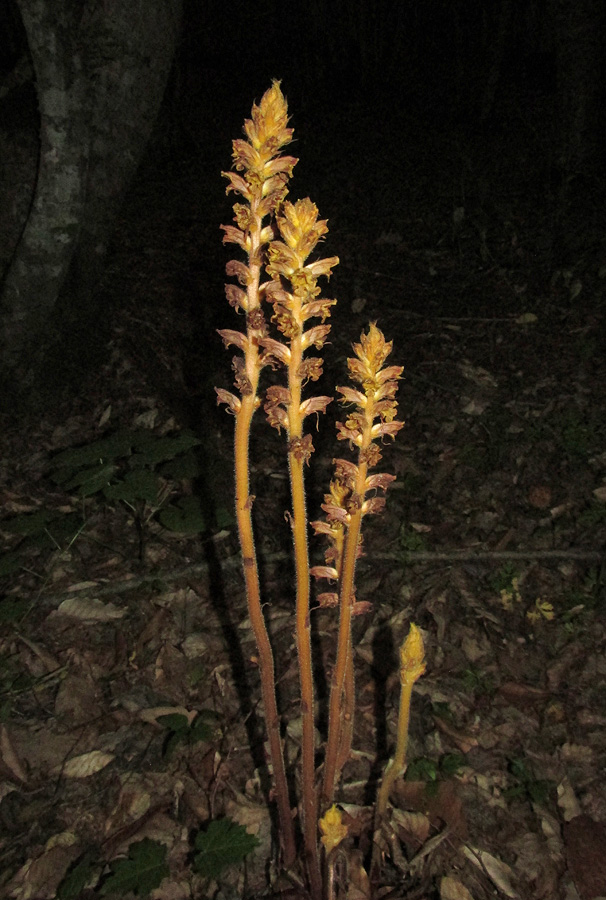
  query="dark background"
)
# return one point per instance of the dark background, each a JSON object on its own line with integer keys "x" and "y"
{"x": 446, "y": 142}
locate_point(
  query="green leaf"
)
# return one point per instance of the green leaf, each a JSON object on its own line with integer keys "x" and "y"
{"x": 91, "y": 480}
{"x": 422, "y": 769}
{"x": 107, "y": 448}
{"x": 519, "y": 768}
{"x": 28, "y": 523}
{"x": 60, "y": 532}
{"x": 539, "y": 791}
{"x": 139, "y": 485}
{"x": 181, "y": 732}
{"x": 451, "y": 763}
{"x": 223, "y": 844}
{"x": 141, "y": 873}
{"x": 200, "y": 729}
{"x": 173, "y": 722}
{"x": 162, "y": 449}
{"x": 77, "y": 878}
{"x": 182, "y": 467}
{"x": 186, "y": 517}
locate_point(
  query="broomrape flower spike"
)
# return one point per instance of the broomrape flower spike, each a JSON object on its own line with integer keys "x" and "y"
{"x": 412, "y": 666}
{"x": 372, "y": 419}
{"x": 293, "y": 293}
{"x": 263, "y": 186}
{"x": 277, "y": 238}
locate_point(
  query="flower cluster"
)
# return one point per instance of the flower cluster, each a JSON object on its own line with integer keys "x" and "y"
{"x": 293, "y": 292}
{"x": 263, "y": 185}
{"x": 372, "y": 419}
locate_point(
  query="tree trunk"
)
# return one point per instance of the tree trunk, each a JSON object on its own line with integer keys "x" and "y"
{"x": 101, "y": 71}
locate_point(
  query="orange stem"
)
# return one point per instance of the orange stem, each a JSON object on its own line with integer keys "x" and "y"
{"x": 344, "y": 649}
{"x": 266, "y": 658}
{"x": 244, "y": 502}
{"x": 309, "y": 800}
{"x": 339, "y": 736}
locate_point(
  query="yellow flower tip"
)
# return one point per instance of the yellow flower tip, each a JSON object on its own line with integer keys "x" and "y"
{"x": 332, "y": 828}
{"x": 269, "y": 120}
{"x": 412, "y": 656}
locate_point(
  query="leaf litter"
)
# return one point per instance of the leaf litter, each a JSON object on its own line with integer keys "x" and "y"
{"x": 117, "y": 622}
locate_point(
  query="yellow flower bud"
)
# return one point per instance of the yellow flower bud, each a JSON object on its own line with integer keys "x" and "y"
{"x": 412, "y": 656}
{"x": 332, "y": 828}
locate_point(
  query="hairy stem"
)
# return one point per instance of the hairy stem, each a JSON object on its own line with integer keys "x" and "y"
{"x": 334, "y": 750}
{"x": 266, "y": 658}
{"x": 309, "y": 802}
{"x": 244, "y": 502}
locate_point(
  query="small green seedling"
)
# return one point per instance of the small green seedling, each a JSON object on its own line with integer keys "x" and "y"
{"x": 180, "y": 731}
{"x": 526, "y": 786}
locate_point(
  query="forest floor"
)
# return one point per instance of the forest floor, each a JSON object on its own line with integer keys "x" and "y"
{"x": 129, "y": 710}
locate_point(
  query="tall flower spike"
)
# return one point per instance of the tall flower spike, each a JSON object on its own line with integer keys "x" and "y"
{"x": 372, "y": 419}
{"x": 260, "y": 178}
{"x": 294, "y": 295}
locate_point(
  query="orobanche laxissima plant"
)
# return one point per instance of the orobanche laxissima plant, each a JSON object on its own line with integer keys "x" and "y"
{"x": 276, "y": 282}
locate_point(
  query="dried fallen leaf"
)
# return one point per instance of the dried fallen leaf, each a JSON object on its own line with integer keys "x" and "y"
{"x": 442, "y": 806}
{"x": 359, "y": 883}
{"x": 152, "y": 713}
{"x": 39, "y": 878}
{"x": 85, "y": 765}
{"x": 515, "y": 692}
{"x": 464, "y": 741}
{"x": 499, "y": 872}
{"x": 49, "y": 662}
{"x": 413, "y": 827}
{"x": 89, "y": 610}
{"x": 453, "y": 889}
{"x": 567, "y": 800}
{"x": 133, "y": 803}
{"x": 9, "y": 757}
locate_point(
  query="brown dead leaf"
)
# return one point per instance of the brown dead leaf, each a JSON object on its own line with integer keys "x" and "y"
{"x": 498, "y": 871}
{"x": 453, "y": 889}
{"x": 585, "y": 842}
{"x": 443, "y": 806}
{"x": 9, "y": 758}
{"x": 152, "y": 631}
{"x": 537, "y": 863}
{"x": 516, "y": 692}
{"x": 152, "y": 713}
{"x": 359, "y": 883}
{"x": 85, "y": 765}
{"x": 413, "y": 828}
{"x": 40, "y": 878}
{"x": 88, "y": 610}
{"x": 133, "y": 803}
{"x": 76, "y": 700}
{"x": 41, "y": 748}
{"x": 49, "y": 662}
{"x": 539, "y": 496}
{"x": 465, "y": 742}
